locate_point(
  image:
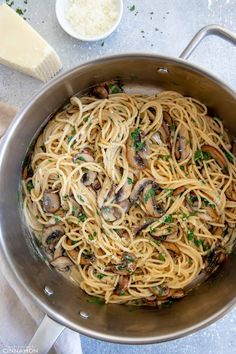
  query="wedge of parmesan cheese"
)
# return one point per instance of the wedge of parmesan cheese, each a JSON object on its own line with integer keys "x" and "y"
{"x": 23, "y": 49}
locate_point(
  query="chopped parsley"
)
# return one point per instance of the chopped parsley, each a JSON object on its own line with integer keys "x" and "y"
{"x": 81, "y": 158}
{"x": 74, "y": 210}
{"x": 91, "y": 237}
{"x": 229, "y": 156}
{"x": 201, "y": 155}
{"x": 85, "y": 119}
{"x": 190, "y": 234}
{"x": 29, "y": 185}
{"x": 158, "y": 242}
{"x": 19, "y": 11}
{"x": 114, "y": 88}
{"x": 96, "y": 300}
{"x": 129, "y": 180}
{"x": 165, "y": 157}
{"x": 139, "y": 145}
{"x": 100, "y": 275}
{"x": 81, "y": 198}
{"x": 207, "y": 203}
{"x": 197, "y": 242}
{"x": 168, "y": 219}
{"x": 192, "y": 199}
{"x": 161, "y": 257}
{"x": 65, "y": 197}
{"x": 173, "y": 127}
{"x": 82, "y": 217}
{"x": 132, "y": 8}
{"x": 56, "y": 219}
{"x": 150, "y": 193}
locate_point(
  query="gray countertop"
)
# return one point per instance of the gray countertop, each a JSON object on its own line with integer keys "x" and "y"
{"x": 156, "y": 26}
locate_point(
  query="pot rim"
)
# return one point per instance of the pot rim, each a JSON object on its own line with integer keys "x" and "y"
{"x": 49, "y": 309}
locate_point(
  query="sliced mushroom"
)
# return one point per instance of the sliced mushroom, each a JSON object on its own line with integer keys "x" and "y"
{"x": 160, "y": 232}
{"x": 210, "y": 215}
{"x": 109, "y": 213}
{"x": 125, "y": 191}
{"x": 125, "y": 205}
{"x": 73, "y": 254}
{"x": 213, "y": 260}
{"x": 62, "y": 263}
{"x": 182, "y": 150}
{"x": 136, "y": 150}
{"x": 178, "y": 191}
{"x": 142, "y": 227}
{"x": 217, "y": 155}
{"x": 51, "y": 235}
{"x": 161, "y": 292}
{"x": 128, "y": 265}
{"x": 76, "y": 208}
{"x": 149, "y": 197}
{"x": 96, "y": 185}
{"x": 58, "y": 252}
{"x": 139, "y": 186}
{"x": 88, "y": 177}
{"x": 177, "y": 293}
{"x": 170, "y": 246}
{"x": 100, "y": 91}
{"x": 51, "y": 201}
{"x": 122, "y": 285}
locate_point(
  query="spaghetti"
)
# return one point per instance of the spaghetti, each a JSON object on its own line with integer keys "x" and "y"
{"x": 134, "y": 196}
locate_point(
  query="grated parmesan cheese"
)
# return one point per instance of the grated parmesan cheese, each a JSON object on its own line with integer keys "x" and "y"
{"x": 92, "y": 18}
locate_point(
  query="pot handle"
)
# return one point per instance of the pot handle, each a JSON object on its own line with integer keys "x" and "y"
{"x": 206, "y": 31}
{"x": 46, "y": 335}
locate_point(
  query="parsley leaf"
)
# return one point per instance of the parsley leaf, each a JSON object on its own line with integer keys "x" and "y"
{"x": 82, "y": 217}
{"x": 101, "y": 275}
{"x": 161, "y": 257}
{"x": 129, "y": 180}
{"x": 190, "y": 234}
{"x": 96, "y": 300}
{"x": 150, "y": 193}
{"x": 132, "y": 8}
{"x": 229, "y": 156}
{"x": 29, "y": 185}
{"x": 168, "y": 219}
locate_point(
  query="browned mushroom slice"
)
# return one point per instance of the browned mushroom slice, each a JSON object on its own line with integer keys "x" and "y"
{"x": 88, "y": 177}
{"x": 178, "y": 191}
{"x": 210, "y": 215}
{"x": 125, "y": 191}
{"x": 176, "y": 293}
{"x": 128, "y": 265}
{"x": 182, "y": 148}
{"x": 149, "y": 197}
{"x": 122, "y": 285}
{"x": 213, "y": 260}
{"x": 136, "y": 150}
{"x": 125, "y": 205}
{"x": 160, "y": 232}
{"x": 76, "y": 207}
{"x": 51, "y": 235}
{"x": 100, "y": 91}
{"x": 85, "y": 259}
{"x": 51, "y": 201}
{"x": 58, "y": 252}
{"x": 167, "y": 118}
{"x": 216, "y": 154}
{"x": 62, "y": 263}
{"x": 161, "y": 292}
{"x": 170, "y": 246}
{"x": 139, "y": 186}
{"x": 109, "y": 213}
{"x": 96, "y": 185}
{"x": 142, "y": 227}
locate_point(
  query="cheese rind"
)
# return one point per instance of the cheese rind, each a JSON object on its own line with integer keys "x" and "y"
{"x": 23, "y": 49}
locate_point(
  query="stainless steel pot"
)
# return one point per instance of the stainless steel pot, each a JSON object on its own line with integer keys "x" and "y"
{"x": 61, "y": 300}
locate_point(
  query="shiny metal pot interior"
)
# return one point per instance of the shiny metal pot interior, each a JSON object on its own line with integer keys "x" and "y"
{"x": 66, "y": 303}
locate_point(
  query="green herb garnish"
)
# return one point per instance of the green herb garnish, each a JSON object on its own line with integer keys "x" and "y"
{"x": 19, "y": 11}
{"x": 161, "y": 257}
{"x": 150, "y": 193}
{"x": 169, "y": 192}
{"x": 129, "y": 180}
{"x": 201, "y": 155}
{"x": 190, "y": 234}
{"x": 132, "y": 8}
{"x": 81, "y": 158}
{"x": 29, "y": 185}
{"x": 197, "y": 242}
{"x": 56, "y": 219}
{"x": 166, "y": 157}
{"x": 229, "y": 156}
{"x": 168, "y": 219}
{"x": 82, "y": 217}
{"x": 100, "y": 275}
{"x": 96, "y": 300}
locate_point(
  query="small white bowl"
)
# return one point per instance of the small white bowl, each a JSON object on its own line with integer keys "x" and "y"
{"x": 61, "y": 7}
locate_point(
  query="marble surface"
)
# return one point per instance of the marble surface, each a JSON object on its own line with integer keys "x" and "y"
{"x": 156, "y": 26}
